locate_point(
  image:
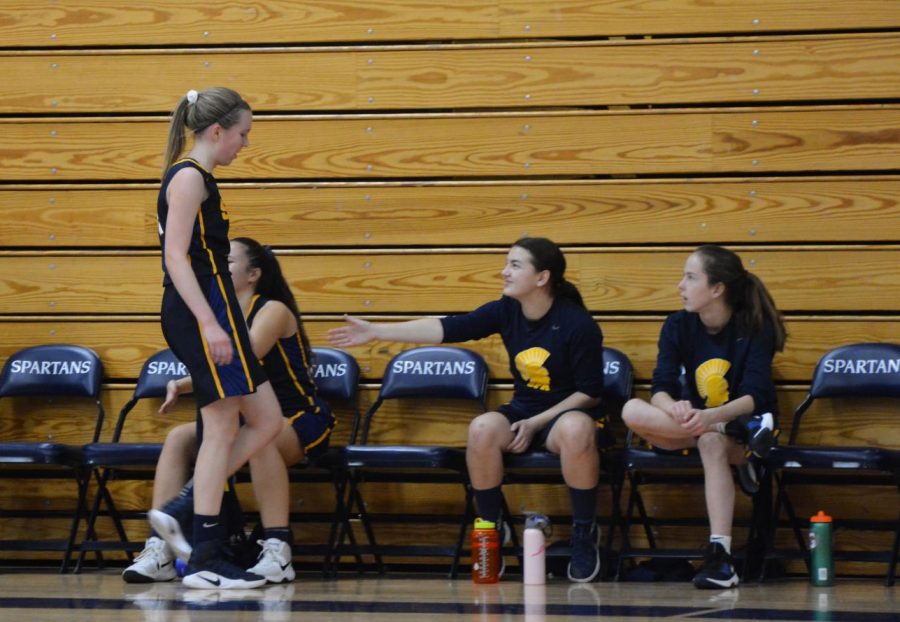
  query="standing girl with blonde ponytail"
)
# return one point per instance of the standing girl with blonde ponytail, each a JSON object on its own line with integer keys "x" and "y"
{"x": 203, "y": 325}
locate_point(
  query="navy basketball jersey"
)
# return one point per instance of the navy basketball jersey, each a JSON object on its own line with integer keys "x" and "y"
{"x": 288, "y": 369}
{"x": 209, "y": 248}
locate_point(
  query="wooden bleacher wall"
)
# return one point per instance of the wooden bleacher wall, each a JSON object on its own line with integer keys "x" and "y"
{"x": 400, "y": 146}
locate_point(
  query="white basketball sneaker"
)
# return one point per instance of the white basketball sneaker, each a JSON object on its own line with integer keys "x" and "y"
{"x": 155, "y": 563}
{"x": 274, "y": 561}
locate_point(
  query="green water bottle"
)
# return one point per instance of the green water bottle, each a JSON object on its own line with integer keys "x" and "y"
{"x": 821, "y": 562}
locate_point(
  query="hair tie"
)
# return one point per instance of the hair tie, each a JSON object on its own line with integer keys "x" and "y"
{"x": 268, "y": 250}
{"x": 192, "y": 96}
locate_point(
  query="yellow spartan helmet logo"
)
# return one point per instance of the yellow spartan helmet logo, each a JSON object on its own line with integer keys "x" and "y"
{"x": 530, "y": 364}
{"x": 711, "y": 383}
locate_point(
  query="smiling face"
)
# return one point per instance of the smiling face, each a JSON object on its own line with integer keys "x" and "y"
{"x": 242, "y": 275}
{"x": 519, "y": 275}
{"x": 696, "y": 292}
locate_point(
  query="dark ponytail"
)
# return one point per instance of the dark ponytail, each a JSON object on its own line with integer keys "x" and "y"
{"x": 272, "y": 283}
{"x": 745, "y": 293}
{"x": 546, "y": 255}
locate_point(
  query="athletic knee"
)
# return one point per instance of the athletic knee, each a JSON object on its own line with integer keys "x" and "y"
{"x": 576, "y": 432}
{"x": 631, "y": 412}
{"x": 713, "y": 445}
{"x": 485, "y": 433}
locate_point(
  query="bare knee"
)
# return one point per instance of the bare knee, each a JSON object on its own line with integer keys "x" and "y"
{"x": 713, "y": 445}
{"x": 632, "y": 412}
{"x": 575, "y": 432}
{"x": 488, "y": 432}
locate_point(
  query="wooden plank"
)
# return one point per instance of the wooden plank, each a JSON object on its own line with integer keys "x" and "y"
{"x": 857, "y": 279}
{"x": 476, "y": 145}
{"x": 623, "y": 17}
{"x": 124, "y": 344}
{"x": 758, "y": 210}
{"x": 166, "y": 22}
{"x": 481, "y": 76}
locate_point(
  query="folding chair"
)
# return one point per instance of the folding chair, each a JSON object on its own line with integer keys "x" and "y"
{"x": 644, "y": 466}
{"x": 432, "y": 373}
{"x": 336, "y": 374}
{"x": 869, "y": 374}
{"x": 545, "y": 467}
{"x": 49, "y": 371}
{"x": 118, "y": 460}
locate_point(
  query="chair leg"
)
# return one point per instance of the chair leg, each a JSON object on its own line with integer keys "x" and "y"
{"x": 468, "y": 517}
{"x": 367, "y": 526}
{"x": 83, "y": 480}
{"x": 90, "y": 533}
{"x": 892, "y": 563}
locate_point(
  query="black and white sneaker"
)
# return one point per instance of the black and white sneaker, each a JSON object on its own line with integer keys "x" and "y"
{"x": 210, "y": 569}
{"x": 585, "y": 563}
{"x": 717, "y": 571}
{"x": 173, "y": 522}
{"x": 761, "y": 434}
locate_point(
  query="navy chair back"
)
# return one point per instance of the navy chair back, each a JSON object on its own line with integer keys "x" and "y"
{"x": 856, "y": 370}
{"x": 432, "y": 372}
{"x": 860, "y": 369}
{"x": 52, "y": 370}
{"x": 156, "y": 372}
{"x": 435, "y": 371}
{"x": 336, "y": 374}
{"x": 618, "y": 377}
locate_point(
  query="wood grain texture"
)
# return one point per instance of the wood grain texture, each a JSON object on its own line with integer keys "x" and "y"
{"x": 457, "y": 77}
{"x": 166, "y": 22}
{"x": 477, "y": 145}
{"x": 124, "y": 344}
{"x": 359, "y": 215}
{"x": 857, "y": 279}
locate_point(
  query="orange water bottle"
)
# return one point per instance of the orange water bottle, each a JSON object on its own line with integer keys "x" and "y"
{"x": 485, "y": 552}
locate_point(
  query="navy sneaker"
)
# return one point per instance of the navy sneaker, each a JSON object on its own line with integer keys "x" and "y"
{"x": 717, "y": 571}
{"x": 585, "y": 563}
{"x": 209, "y": 568}
{"x": 761, "y": 434}
{"x": 174, "y": 521}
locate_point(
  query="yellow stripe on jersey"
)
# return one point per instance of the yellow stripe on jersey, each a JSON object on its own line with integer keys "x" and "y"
{"x": 212, "y": 261}
{"x": 212, "y": 366}
{"x": 290, "y": 370}
{"x": 234, "y": 331}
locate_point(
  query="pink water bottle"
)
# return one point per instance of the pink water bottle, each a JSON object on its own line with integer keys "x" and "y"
{"x": 534, "y": 553}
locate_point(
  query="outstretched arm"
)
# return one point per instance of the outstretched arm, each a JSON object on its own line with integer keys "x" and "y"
{"x": 358, "y": 332}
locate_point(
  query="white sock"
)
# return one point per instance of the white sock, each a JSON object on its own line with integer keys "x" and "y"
{"x": 725, "y": 541}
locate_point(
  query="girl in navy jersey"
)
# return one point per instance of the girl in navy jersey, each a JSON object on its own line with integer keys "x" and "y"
{"x": 555, "y": 353}
{"x": 723, "y": 341}
{"x": 280, "y": 342}
{"x": 203, "y": 324}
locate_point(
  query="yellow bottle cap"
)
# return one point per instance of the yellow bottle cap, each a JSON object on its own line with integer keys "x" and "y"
{"x": 480, "y": 523}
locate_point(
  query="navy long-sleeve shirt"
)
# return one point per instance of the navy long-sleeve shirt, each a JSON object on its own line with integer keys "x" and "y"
{"x": 718, "y": 368}
{"x": 550, "y": 358}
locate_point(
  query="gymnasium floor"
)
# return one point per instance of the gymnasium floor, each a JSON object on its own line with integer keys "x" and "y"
{"x": 102, "y": 596}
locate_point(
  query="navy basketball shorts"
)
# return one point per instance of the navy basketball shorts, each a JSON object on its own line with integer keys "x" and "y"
{"x": 182, "y": 332}
{"x": 313, "y": 427}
